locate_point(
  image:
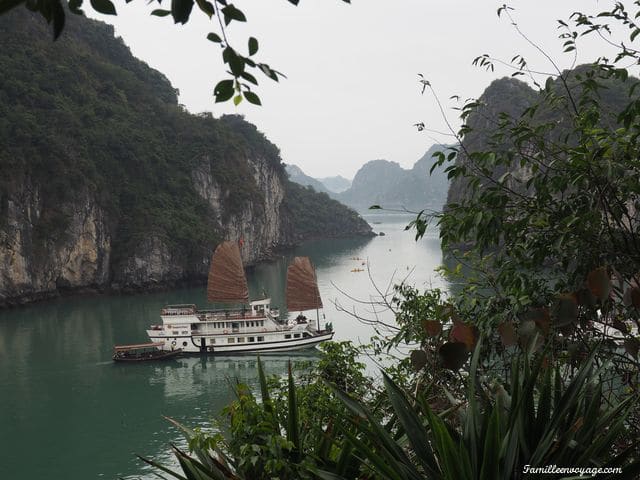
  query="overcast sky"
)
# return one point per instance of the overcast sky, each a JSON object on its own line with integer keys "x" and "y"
{"x": 352, "y": 92}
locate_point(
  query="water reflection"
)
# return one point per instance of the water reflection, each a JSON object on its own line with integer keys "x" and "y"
{"x": 86, "y": 417}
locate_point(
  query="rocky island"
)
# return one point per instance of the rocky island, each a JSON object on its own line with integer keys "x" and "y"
{"x": 107, "y": 183}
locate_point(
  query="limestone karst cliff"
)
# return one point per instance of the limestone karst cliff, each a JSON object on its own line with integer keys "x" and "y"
{"x": 107, "y": 183}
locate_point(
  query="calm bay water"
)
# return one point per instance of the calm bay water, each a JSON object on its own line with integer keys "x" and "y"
{"x": 67, "y": 411}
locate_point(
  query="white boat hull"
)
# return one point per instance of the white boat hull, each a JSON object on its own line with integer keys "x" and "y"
{"x": 198, "y": 344}
{"x": 224, "y": 332}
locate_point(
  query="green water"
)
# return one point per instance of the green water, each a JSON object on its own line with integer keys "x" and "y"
{"x": 68, "y": 412}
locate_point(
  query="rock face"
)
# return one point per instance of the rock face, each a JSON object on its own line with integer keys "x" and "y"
{"x": 507, "y": 95}
{"x": 106, "y": 183}
{"x": 33, "y": 266}
{"x": 259, "y": 224}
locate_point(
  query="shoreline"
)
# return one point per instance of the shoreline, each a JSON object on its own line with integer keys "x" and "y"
{"x": 42, "y": 297}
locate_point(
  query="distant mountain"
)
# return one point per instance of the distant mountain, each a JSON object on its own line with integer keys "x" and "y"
{"x": 298, "y": 176}
{"x": 385, "y": 183}
{"x": 336, "y": 184}
{"x": 511, "y": 96}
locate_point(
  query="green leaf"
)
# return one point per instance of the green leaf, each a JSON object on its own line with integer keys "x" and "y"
{"x": 161, "y": 13}
{"x": 293, "y": 426}
{"x": 412, "y": 425}
{"x": 268, "y": 71}
{"x": 235, "y": 61}
{"x": 58, "y": 18}
{"x": 388, "y": 445}
{"x": 161, "y": 467}
{"x": 206, "y": 7}
{"x": 252, "y": 98}
{"x": 491, "y": 448}
{"x": 237, "y": 99}
{"x": 224, "y": 90}
{"x": 253, "y": 46}
{"x": 181, "y": 10}
{"x": 214, "y": 37}
{"x": 250, "y": 78}
{"x": 231, "y": 13}
{"x": 103, "y": 6}
{"x": 74, "y": 7}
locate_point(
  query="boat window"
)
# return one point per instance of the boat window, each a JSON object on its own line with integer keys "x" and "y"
{"x": 240, "y": 339}
{"x": 231, "y": 340}
{"x": 251, "y": 339}
{"x": 261, "y": 339}
{"x": 175, "y": 332}
{"x": 185, "y": 332}
{"x": 184, "y": 344}
{"x": 212, "y": 341}
{"x": 305, "y": 335}
{"x": 287, "y": 335}
{"x": 296, "y": 335}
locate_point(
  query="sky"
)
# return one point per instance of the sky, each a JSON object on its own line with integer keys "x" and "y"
{"x": 352, "y": 92}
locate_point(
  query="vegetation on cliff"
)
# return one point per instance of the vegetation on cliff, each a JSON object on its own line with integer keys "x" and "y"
{"x": 82, "y": 120}
{"x": 315, "y": 214}
{"x": 241, "y": 82}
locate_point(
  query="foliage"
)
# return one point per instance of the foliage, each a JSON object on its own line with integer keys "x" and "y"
{"x": 241, "y": 82}
{"x": 545, "y": 186}
{"x": 83, "y": 120}
{"x": 535, "y": 420}
{"x": 541, "y": 225}
{"x": 295, "y": 427}
{"x": 316, "y": 214}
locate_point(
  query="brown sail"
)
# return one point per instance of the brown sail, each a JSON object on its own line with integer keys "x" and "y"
{"x": 302, "y": 287}
{"x": 227, "y": 282}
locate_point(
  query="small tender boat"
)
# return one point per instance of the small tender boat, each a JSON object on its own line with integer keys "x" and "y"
{"x": 143, "y": 352}
{"x": 255, "y": 326}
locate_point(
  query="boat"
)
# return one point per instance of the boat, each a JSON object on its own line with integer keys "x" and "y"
{"x": 143, "y": 352}
{"x": 247, "y": 326}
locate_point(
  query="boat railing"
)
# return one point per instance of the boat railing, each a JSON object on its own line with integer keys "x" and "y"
{"x": 226, "y": 315}
{"x": 178, "y": 311}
